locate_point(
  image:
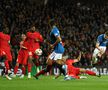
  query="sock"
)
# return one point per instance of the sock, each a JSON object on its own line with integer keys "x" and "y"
{"x": 47, "y": 69}
{"x": 37, "y": 69}
{"x": 40, "y": 73}
{"x": 90, "y": 72}
{"x": 23, "y": 70}
{"x": 15, "y": 69}
{"x": 7, "y": 66}
{"x": 60, "y": 68}
{"x": 29, "y": 67}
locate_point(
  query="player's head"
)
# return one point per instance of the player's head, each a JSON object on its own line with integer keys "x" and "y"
{"x": 106, "y": 35}
{"x": 52, "y": 22}
{"x": 23, "y": 36}
{"x": 33, "y": 28}
{"x": 6, "y": 30}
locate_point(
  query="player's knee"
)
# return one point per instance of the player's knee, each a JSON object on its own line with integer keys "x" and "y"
{"x": 49, "y": 62}
{"x": 17, "y": 64}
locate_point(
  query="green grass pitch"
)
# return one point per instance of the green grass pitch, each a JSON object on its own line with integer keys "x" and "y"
{"x": 48, "y": 83}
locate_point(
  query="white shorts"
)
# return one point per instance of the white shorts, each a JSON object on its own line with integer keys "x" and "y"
{"x": 55, "y": 56}
{"x": 96, "y": 51}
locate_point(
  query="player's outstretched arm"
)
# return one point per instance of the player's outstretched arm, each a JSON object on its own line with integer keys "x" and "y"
{"x": 78, "y": 58}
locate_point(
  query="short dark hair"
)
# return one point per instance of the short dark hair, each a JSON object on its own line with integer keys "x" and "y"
{"x": 106, "y": 33}
{"x": 52, "y": 22}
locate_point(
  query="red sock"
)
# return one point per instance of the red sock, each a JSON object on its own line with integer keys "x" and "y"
{"x": 15, "y": 69}
{"x": 29, "y": 67}
{"x": 41, "y": 72}
{"x": 90, "y": 72}
{"x": 23, "y": 70}
{"x": 48, "y": 68}
{"x": 7, "y": 66}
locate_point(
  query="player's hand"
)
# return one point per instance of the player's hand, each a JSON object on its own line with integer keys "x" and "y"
{"x": 101, "y": 51}
{"x": 37, "y": 40}
{"x": 51, "y": 46}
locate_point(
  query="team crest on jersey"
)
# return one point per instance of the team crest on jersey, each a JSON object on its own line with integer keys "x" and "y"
{"x": 105, "y": 42}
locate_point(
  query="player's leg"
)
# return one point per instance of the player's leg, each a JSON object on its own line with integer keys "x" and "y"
{"x": 36, "y": 62}
{"x": 43, "y": 71}
{"x": 8, "y": 59}
{"x": 51, "y": 58}
{"x": 48, "y": 67}
{"x": 59, "y": 66}
{"x": 30, "y": 63}
{"x": 23, "y": 71}
{"x": 58, "y": 63}
{"x": 18, "y": 61}
{"x": 89, "y": 72}
{"x": 2, "y": 60}
{"x": 7, "y": 70}
{"x": 95, "y": 57}
{"x": 24, "y": 63}
{"x": 16, "y": 69}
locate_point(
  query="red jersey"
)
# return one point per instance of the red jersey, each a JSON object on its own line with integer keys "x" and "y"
{"x": 37, "y": 43}
{"x": 22, "y": 54}
{"x": 4, "y": 41}
{"x": 71, "y": 70}
{"x": 4, "y": 45}
{"x": 31, "y": 42}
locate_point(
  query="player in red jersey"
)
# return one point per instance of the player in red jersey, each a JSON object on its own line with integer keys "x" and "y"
{"x": 33, "y": 42}
{"x": 6, "y": 50}
{"x": 22, "y": 57}
{"x": 74, "y": 72}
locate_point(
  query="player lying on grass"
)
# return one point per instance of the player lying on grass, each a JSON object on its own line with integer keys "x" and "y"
{"x": 74, "y": 72}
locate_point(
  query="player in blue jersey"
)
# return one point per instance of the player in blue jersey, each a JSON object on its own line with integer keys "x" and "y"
{"x": 57, "y": 51}
{"x": 102, "y": 41}
{"x": 56, "y": 45}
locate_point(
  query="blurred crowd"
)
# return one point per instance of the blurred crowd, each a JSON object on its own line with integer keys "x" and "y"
{"x": 79, "y": 21}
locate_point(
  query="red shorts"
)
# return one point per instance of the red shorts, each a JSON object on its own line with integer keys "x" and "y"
{"x": 74, "y": 72}
{"x": 22, "y": 57}
{"x": 7, "y": 53}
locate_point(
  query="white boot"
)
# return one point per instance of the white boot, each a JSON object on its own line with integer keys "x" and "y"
{"x": 29, "y": 75}
{"x": 22, "y": 76}
{"x": 9, "y": 78}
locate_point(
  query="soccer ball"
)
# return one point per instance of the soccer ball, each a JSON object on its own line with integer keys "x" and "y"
{"x": 38, "y": 52}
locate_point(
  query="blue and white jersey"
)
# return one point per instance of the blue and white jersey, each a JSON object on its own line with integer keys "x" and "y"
{"x": 53, "y": 37}
{"x": 101, "y": 40}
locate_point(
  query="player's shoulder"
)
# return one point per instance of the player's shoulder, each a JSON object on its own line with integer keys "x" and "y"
{"x": 1, "y": 34}
{"x": 28, "y": 33}
{"x": 55, "y": 30}
{"x": 101, "y": 35}
{"x": 37, "y": 33}
{"x": 69, "y": 60}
